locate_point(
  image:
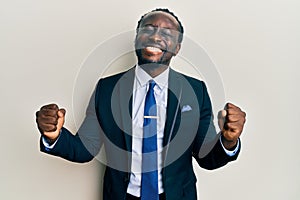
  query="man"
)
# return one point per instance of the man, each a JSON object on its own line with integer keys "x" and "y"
{"x": 150, "y": 120}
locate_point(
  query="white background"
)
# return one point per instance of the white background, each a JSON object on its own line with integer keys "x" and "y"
{"x": 254, "y": 44}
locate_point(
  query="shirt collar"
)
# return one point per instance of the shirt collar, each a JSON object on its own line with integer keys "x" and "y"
{"x": 143, "y": 77}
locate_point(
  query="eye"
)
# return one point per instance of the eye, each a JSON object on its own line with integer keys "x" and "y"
{"x": 146, "y": 29}
{"x": 167, "y": 32}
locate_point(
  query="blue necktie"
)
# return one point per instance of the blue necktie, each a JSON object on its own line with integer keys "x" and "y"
{"x": 149, "y": 185}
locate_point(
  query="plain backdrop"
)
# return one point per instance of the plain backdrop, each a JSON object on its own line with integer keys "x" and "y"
{"x": 254, "y": 45}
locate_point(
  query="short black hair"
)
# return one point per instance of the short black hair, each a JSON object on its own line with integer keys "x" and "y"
{"x": 180, "y": 28}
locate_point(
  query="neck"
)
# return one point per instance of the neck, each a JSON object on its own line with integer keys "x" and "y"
{"x": 154, "y": 69}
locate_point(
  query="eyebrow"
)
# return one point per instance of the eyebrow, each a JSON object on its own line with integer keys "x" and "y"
{"x": 156, "y": 26}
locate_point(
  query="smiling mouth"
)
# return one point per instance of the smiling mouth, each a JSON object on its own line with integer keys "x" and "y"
{"x": 153, "y": 49}
{"x": 150, "y": 50}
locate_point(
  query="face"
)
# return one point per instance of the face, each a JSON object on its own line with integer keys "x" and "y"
{"x": 157, "y": 39}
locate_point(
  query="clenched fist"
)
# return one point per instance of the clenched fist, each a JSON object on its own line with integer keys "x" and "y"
{"x": 231, "y": 121}
{"x": 50, "y": 119}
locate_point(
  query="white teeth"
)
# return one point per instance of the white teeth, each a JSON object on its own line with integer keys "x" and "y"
{"x": 153, "y": 49}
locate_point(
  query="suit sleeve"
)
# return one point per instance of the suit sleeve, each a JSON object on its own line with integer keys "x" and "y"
{"x": 207, "y": 148}
{"x": 83, "y": 146}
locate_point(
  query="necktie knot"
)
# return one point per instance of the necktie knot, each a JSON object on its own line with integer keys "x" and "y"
{"x": 151, "y": 84}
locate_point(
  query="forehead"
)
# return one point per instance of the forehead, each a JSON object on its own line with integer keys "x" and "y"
{"x": 161, "y": 19}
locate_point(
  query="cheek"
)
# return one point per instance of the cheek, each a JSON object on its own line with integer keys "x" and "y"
{"x": 172, "y": 49}
{"x": 136, "y": 40}
{"x": 139, "y": 41}
{"x": 140, "y": 37}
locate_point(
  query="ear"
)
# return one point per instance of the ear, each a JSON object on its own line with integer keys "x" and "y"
{"x": 178, "y": 46}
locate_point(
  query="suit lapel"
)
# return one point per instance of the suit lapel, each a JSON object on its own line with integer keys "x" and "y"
{"x": 125, "y": 101}
{"x": 174, "y": 96}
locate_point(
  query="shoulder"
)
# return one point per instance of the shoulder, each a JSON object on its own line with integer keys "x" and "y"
{"x": 112, "y": 80}
{"x": 194, "y": 82}
{"x": 116, "y": 76}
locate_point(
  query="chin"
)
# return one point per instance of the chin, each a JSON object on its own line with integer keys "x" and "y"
{"x": 142, "y": 60}
{"x": 148, "y": 61}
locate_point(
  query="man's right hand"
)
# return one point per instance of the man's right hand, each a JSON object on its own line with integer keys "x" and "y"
{"x": 50, "y": 119}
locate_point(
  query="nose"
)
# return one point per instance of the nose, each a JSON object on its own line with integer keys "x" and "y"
{"x": 155, "y": 36}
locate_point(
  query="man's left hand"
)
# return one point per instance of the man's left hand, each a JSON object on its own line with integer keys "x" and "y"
{"x": 231, "y": 121}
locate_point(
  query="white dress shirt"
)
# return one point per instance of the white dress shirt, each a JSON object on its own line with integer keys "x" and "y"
{"x": 140, "y": 88}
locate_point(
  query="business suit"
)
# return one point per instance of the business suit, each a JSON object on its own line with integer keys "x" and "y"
{"x": 110, "y": 107}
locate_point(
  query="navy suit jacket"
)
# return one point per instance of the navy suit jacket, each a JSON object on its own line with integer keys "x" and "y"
{"x": 188, "y": 133}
